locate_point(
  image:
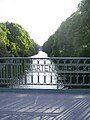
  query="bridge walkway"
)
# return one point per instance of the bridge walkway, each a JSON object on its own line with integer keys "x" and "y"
{"x": 44, "y": 104}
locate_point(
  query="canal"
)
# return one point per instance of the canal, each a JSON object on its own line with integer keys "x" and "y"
{"x": 50, "y": 78}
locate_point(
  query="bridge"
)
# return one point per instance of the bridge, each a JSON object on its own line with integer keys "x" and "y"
{"x": 54, "y": 71}
{"x": 58, "y": 103}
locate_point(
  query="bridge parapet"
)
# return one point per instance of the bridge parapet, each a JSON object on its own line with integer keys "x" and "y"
{"x": 65, "y": 71}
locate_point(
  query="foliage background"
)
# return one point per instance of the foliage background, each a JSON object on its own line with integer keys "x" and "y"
{"x": 15, "y": 41}
{"x": 72, "y": 38}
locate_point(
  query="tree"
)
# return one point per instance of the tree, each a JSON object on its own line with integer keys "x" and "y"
{"x": 3, "y": 41}
{"x": 72, "y": 38}
{"x": 16, "y": 40}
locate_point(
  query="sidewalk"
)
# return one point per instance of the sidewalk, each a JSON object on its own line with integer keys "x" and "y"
{"x": 50, "y": 105}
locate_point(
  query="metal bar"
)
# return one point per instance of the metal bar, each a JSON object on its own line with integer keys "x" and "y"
{"x": 44, "y": 78}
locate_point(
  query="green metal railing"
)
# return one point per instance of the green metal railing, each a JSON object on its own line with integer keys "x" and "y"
{"x": 69, "y": 71}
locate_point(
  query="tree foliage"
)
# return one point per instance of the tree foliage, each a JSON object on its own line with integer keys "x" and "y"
{"x": 15, "y": 41}
{"x": 72, "y": 38}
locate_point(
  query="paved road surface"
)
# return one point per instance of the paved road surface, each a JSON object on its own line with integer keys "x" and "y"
{"x": 44, "y": 106}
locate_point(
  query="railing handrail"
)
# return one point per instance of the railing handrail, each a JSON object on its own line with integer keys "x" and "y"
{"x": 45, "y": 58}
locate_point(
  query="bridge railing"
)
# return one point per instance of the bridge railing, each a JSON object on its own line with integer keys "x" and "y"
{"x": 69, "y": 71}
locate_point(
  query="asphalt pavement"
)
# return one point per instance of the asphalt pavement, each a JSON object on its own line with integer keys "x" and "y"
{"x": 44, "y": 105}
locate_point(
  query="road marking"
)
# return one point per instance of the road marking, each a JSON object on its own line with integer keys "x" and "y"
{"x": 36, "y": 100}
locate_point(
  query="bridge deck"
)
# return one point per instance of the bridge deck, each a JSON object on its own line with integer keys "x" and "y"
{"x": 44, "y": 105}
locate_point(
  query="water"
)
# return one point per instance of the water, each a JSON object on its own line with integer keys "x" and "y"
{"x": 40, "y": 55}
{"x": 41, "y": 75}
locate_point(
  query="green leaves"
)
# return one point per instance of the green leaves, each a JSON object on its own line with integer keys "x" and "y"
{"x": 72, "y": 35}
{"x": 16, "y": 40}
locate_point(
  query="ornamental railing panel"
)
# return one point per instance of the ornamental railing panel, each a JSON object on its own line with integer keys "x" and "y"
{"x": 55, "y": 71}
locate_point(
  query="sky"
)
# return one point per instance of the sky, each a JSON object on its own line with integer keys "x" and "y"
{"x": 40, "y": 18}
